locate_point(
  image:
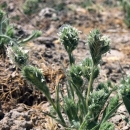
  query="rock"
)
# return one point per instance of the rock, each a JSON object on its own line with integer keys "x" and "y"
{"x": 15, "y": 120}
{"x": 81, "y": 10}
{"x": 121, "y": 109}
{"x": 115, "y": 77}
{"x": 116, "y": 119}
{"x": 14, "y": 114}
{"x": 45, "y": 40}
{"x": 26, "y": 124}
{"x": 48, "y": 54}
{"x": 20, "y": 109}
{"x": 50, "y": 31}
{"x": 114, "y": 55}
{"x": 11, "y": 7}
{"x": 5, "y": 127}
{"x": 47, "y": 13}
{"x": 125, "y": 128}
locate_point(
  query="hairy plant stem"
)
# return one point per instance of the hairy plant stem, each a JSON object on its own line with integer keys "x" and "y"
{"x": 82, "y": 126}
{"x": 27, "y": 39}
{"x": 5, "y": 36}
{"x": 71, "y": 58}
{"x": 90, "y": 85}
{"x": 55, "y": 108}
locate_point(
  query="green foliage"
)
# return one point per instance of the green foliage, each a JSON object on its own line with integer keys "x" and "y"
{"x": 107, "y": 126}
{"x": 60, "y": 6}
{"x": 126, "y": 101}
{"x": 114, "y": 101}
{"x": 86, "y": 3}
{"x": 124, "y": 90}
{"x": 18, "y": 56}
{"x": 98, "y": 45}
{"x": 6, "y": 31}
{"x": 3, "y": 5}
{"x": 75, "y": 74}
{"x": 87, "y": 68}
{"x": 82, "y": 104}
{"x": 30, "y": 6}
{"x": 71, "y": 109}
{"x": 126, "y": 8}
{"x": 2, "y": 14}
{"x": 68, "y": 36}
{"x": 35, "y": 76}
{"x": 124, "y": 87}
{"x": 125, "y": 4}
{"x": 111, "y": 108}
{"x": 87, "y": 123}
{"x": 11, "y": 43}
{"x": 97, "y": 100}
{"x": 104, "y": 86}
{"x": 35, "y": 34}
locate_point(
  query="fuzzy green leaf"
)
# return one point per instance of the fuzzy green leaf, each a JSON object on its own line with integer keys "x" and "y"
{"x": 35, "y": 76}
{"x": 103, "y": 86}
{"x": 75, "y": 74}
{"x": 86, "y": 68}
{"x": 18, "y": 56}
{"x": 70, "y": 107}
{"x": 97, "y": 100}
{"x": 98, "y": 45}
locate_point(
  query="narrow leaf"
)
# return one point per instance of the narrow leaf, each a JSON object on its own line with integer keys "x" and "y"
{"x": 126, "y": 101}
{"x": 110, "y": 113}
{"x": 96, "y": 127}
{"x": 55, "y": 118}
